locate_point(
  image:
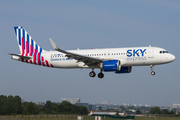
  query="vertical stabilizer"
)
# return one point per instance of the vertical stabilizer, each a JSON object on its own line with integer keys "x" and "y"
{"x": 27, "y": 46}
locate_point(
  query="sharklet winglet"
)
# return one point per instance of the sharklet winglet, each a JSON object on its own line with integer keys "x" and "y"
{"x": 53, "y": 44}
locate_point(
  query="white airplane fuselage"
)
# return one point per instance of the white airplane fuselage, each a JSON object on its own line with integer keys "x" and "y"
{"x": 151, "y": 56}
{"x": 118, "y": 60}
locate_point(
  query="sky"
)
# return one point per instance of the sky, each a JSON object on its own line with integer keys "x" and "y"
{"x": 91, "y": 24}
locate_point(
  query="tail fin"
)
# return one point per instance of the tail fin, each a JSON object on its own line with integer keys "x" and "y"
{"x": 27, "y": 45}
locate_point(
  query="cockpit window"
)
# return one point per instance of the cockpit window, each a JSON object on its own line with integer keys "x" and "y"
{"x": 161, "y": 52}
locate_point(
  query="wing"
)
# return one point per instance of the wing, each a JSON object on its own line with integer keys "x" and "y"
{"x": 80, "y": 58}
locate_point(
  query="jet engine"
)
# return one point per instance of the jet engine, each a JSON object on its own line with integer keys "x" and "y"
{"x": 126, "y": 69}
{"x": 111, "y": 65}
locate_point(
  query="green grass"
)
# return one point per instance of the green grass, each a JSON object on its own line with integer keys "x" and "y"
{"x": 157, "y": 118}
{"x": 74, "y": 117}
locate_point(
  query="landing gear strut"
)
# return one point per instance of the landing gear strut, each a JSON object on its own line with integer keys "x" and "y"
{"x": 152, "y": 72}
{"x": 92, "y": 73}
{"x": 101, "y": 75}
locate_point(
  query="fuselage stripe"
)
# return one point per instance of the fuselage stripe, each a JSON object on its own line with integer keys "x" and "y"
{"x": 42, "y": 58}
{"x": 22, "y": 46}
{"x": 38, "y": 58}
{"x": 36, "y": 48}
{"x": 22, "y": 49}
{"x": 19, "y": 31}
{"x": 34, "y": 56}
{"x": 32, "y": 47}
{"x": 27, "y": 48}
{"x": 47, "y": 63}
{"x": 40, "y": 55}
{"x": 24, "y": 39}
{"x": 35, "y": 51}
{"x": 51, "y": 65}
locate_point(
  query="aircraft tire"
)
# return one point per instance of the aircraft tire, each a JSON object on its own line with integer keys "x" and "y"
{"x": 100, "y": 75}
{"x": 92, "y": 74}
{"x": 152, "y": 73}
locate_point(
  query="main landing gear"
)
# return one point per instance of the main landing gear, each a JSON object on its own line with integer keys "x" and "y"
{"x": 152, "y": 72}
{"x": 93, "y": 74}
{"x": 101, "y": 75}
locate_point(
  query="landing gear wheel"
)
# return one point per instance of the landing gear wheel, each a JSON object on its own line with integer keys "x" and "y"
{"x": 92, "y": 74}
{"x": 100, "y": 75}
{"x": 152, "y": 73}
{"x": 152, "y": 67}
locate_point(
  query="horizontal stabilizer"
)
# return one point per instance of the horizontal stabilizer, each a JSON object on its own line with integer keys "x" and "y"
{"x": 25, "y": 57}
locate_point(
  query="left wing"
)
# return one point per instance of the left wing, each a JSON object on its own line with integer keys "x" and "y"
{"x": 80, "y": 58}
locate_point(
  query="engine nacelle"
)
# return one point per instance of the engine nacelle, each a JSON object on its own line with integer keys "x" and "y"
{"x": 124, "y": 70}
{"x": 111, "y": 65}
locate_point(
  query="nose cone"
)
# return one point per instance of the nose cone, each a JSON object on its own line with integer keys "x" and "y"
{"x": 171, "y": 58}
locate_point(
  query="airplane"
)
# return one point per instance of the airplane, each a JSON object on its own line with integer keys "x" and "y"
{"x": 117, "y": 60}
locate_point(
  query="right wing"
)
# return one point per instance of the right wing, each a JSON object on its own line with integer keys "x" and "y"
{"x": 80, "y": 58}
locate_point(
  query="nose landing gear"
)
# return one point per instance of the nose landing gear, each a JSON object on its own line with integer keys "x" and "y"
{"x": 152, "y": 72}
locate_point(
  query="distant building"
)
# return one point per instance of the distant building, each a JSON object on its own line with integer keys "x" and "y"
{"x": 40, "y": 103}
{"x": 147, "y": 106}
{"x": 98, "y": 108}
{"x": 104, "y": 107}
{"x": 176, "y": 106}
{"x": 83, "y": 104}
{"x": 92, "y": 107}
{"x": 71, "y": 100}
{"x": 106, "y": 103}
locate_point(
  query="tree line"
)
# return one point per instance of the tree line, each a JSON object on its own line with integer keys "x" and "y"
{"x": 12, "y": 105}
{"x": 156, "y": 110}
